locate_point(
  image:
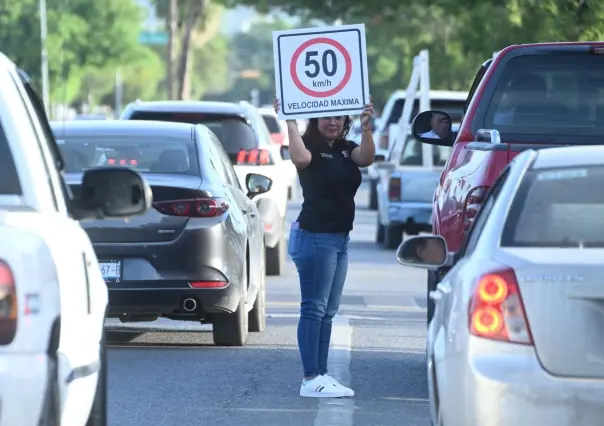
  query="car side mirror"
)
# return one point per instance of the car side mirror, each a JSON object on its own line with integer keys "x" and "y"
{"x": 112, "y": 192}
{"x": 379, "y": 158}
{"x": 257, "y": 184}
{"x": 433, "y": 127}
{"x": 285, "y": 152}
{"x": 427, "y": 252}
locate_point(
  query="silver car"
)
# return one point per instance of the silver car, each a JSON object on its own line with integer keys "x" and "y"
{"x": 517, "y": 335}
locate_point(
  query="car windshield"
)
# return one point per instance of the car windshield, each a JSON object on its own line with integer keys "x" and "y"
{"x": 232, "y": 131}
{"x": 152, "y": 154}
{"x": 272, "y": 124}
{"x": 555, "y": 96}
{"x": 558, "y": 208}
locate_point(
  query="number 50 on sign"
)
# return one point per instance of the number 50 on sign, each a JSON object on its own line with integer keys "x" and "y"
{"x": 321, "y": 72}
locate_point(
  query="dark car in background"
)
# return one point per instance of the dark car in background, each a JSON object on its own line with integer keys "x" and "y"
{"x": 198, "y": 254}
{"x": 248, "y": 151}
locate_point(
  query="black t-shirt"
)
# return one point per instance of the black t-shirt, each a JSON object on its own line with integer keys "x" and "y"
{"x": 329, "y": 184}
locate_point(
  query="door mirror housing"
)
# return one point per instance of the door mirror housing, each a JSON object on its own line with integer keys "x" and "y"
{"x": 257, "y": 184}
{"x": 111, "y": 192}
{"x": 426, "y": 252}
{"x": 379, "y": 158}
{"x": 433, "y": 127}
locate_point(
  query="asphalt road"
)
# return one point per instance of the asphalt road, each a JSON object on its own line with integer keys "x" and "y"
{"x": 177, "y": 377}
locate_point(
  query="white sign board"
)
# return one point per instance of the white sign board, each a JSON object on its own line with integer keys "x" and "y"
{"x": 321, "y": 72}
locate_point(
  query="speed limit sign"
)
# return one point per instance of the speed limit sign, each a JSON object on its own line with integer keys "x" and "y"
{"x": 321, "y": 72}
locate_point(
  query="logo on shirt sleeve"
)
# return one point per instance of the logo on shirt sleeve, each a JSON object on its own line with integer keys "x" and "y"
{"x": 345, "y": 154}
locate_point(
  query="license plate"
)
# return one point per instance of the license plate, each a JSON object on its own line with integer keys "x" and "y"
{"x": 111, "y": 270}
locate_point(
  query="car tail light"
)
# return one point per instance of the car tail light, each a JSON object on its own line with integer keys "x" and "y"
{"x": 384, "y": 139}
{"x": 496, "y": 310}
{"x": 121, "y": 162}
{"x": 8, "y": 305}
{"x": 394, "y": 189}
{"x": 254, "y": 157}
{"x": 472, "y": 205}
{"x": 208, "y": 284}
{"x": 204, "y": 207}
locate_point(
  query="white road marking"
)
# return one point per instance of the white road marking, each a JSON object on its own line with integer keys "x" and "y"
{"x": 338, "y": 411}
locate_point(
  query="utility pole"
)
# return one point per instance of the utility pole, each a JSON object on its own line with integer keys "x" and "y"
{"x": 172, "y": 26}
{"x": 119, "y": 88}
{"x": 44, "y": 57}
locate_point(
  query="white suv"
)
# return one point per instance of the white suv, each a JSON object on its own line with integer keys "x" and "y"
{"x": 52, "y": 296}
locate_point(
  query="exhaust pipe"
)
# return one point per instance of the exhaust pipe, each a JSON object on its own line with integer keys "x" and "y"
{"x": 189, "y": 304}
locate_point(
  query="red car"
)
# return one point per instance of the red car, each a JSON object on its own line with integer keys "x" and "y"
{"x": 528, "y": 96}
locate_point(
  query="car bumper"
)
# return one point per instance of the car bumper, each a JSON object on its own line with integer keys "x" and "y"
{"x": 23, "y": 380}
{"x": 507, "y": 386}
{"x": 166, "y": 298}
{"x": 403, "y": 213}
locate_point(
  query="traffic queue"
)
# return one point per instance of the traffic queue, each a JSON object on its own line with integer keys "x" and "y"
{"x": 516, "y": 254}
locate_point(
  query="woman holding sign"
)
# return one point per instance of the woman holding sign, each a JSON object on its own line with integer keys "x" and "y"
{"x": 328, "y": 167}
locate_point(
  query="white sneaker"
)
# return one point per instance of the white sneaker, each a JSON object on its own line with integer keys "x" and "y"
{"x": 340, "y": 387}
{"x": 320, "y": 387}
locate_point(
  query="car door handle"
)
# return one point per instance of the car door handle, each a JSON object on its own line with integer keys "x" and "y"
{"x": 444, "y": 288}
{"x": 435, "y": 295}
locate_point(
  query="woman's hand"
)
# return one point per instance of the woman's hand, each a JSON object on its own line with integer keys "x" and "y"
{"x": 366, "y": 116}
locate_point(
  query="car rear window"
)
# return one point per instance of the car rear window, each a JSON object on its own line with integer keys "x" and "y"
{"x": 558, "y": 208}
{"x": 271, "y": 123}
{"x": 232, "y": 131}
{"x": 554, "y": 95}
{"x": 145, "y": 154}
{"x": 9, "y": 179}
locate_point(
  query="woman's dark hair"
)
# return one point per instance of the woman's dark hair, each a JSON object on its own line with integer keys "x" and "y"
{"x": 410, "y": 250}
{"x": 312, "y": 130}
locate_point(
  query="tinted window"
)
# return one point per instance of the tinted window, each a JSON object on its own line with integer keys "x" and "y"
{"x": 558, "y": 208}
{"x": 558, "y": 95}
{"x": 271, "y": 123}
{"x": 146, "y": 154}
{"x": 232, "y": 131}
{"x": 9, "y": 179}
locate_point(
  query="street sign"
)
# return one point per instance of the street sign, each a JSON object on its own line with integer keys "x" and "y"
{"x": 153, "y": 37}
{"x": 321, "y": 72}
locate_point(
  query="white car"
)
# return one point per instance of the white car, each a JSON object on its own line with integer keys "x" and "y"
{"x": 52, "y": 295}
{"x": 516, "y": 337}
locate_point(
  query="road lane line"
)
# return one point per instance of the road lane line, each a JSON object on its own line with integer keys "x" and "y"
{"x": 338, "y": 411}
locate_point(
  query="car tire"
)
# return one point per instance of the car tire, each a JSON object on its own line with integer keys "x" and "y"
{"x": 98, "y": 413}
{"x": 275, "y": 258}
{"x": 431, "y": 286}
{"x": 379, "y": 232}
{"x": 232, "y": 329}
{"x": 393, "y": 236}
{"x": 257, "y": 316}
{"x": 51, "y": 411}
{"x": 373, "y": 203}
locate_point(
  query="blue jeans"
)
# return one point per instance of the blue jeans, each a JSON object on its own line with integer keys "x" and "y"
{"x": 322, "y": 263}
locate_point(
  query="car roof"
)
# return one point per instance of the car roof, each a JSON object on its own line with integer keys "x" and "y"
{"x": 435, "y": 95}
{"x": 121, "y": 127}
{"x": 267, "y": 111}
{"x": 569, "y": 156}
{"x": 191, "y": 106}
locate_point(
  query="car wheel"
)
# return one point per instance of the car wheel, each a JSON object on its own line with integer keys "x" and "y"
{"x": 379, "y": 232}
{"x": 431, "y": 286}
{"x": 51, "y": 411}
{"x": 373, "y": 203}
{"x": 232, "y": 329}
{"x": 257, "y": 316}
{"x": 393, "y": 236}
{"x": 275, "y": 258}
{"x": 98, "y": 414}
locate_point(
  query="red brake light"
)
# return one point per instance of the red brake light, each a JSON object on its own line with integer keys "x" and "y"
{"x": 111, "y": 161}
{"x": 496, "y": 310}
{"x": 394, "y": 189}
{"x": 133, "y": 162}
{"x": 472, "y": 205}
{"x": 122, "y": 162}
{"x": 254, "y": 157}
{"x": 204, "y": 207}
{"x": 208, "y": 284}
{"x": 8, "y": 305}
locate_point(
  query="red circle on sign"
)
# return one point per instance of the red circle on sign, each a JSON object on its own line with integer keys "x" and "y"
{"x": 314, "y": 93}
